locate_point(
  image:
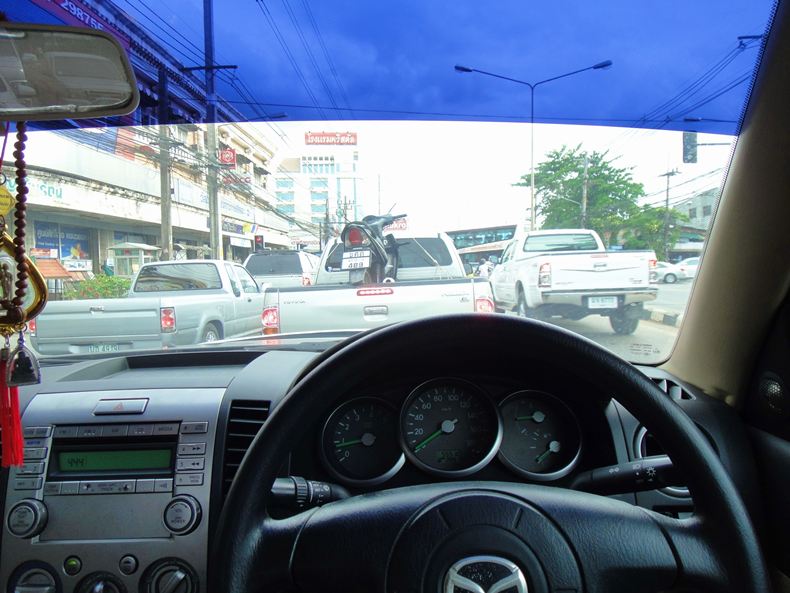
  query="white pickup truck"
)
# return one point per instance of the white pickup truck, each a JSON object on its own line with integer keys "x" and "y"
{"x": 430, "y": 281}
{"x": 569, "y": 273}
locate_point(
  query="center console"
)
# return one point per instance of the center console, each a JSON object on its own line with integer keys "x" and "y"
{"x": 113, "y": 493}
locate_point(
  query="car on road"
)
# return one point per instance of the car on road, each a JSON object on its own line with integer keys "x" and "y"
{"x": 668, "y": 273}
{"x": 170, "y": 304}
{"x": 688, "y": 267}
{"x": 282, "y": 268}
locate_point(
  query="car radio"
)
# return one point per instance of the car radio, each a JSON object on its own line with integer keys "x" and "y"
{"x": 138, "y": 474}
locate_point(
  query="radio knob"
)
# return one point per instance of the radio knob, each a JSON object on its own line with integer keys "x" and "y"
{"x": 101, "y": 582}
{"x": 182, "y": 514}
{"x": 169, "y": 576}
{"x": 27, "y": 518}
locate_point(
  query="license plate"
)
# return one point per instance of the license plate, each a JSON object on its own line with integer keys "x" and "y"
{"x": 355, "y": 260}
{"x": 602, "y": 302}
{"x": 104, "y": 348}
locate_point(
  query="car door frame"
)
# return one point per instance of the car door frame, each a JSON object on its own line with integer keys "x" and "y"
{"x": 504, "y": 288}
{"x": 250, "y": 302}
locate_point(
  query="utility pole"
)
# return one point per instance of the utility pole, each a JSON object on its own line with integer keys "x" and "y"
{"x": 585, "y": 184}
{"x": 165, "y": 195}
{"x": 214, "y": 210}
{"x": 668, "y": 174}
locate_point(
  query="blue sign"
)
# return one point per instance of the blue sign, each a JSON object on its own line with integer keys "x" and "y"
{"x": 72, "y": 241}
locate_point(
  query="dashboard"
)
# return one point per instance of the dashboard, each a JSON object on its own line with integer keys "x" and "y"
{"x": 128, "y": 459}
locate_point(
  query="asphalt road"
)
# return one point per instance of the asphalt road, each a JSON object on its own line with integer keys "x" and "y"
{"x": 650, "y": 343}
{"x": 672, "y": 298}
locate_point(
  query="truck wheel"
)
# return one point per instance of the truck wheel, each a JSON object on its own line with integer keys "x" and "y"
{"x": 670, "y": 278}
{"x": 521, "y": 307}
{"x": 622, "y": 324}
{"x": 210, "y": 334}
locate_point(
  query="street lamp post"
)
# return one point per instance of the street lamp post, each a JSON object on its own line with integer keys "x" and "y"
{"x": 532, "y": 86}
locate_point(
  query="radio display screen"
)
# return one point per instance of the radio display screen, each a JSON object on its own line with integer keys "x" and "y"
{"x": 115, "y": 460}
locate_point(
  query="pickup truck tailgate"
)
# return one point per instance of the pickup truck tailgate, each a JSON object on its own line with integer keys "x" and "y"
{"x": 101, "y": 321}
{"x": 327, "y": 308}
{"x": 598, "y": 271}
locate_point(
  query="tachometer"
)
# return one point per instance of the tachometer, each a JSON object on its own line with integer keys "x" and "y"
{"x": 450, "y": 427}
{"x": 359, "y": 443}
{"x": 542, "y": 440}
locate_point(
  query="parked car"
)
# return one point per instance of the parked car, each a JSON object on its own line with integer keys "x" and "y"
{"x": 569, "y": 273}
{"x": 282, "y": 268}
{"x": 170, "y": 304}
{"x": 688, "y": 267}
{"x": 431, "y": 280}
{"x": 668, "y": 273}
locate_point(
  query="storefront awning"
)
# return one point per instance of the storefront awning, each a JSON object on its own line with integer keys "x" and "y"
{"x": 131, "y": 245}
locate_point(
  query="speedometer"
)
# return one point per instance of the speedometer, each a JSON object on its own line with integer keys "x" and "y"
{"x": 450, "y": 427}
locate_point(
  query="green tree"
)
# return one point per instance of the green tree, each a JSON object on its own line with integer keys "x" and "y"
{"x": 612, "y": 200}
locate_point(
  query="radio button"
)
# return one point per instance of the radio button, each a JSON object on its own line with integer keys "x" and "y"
{"x": 190, "y": 463}
{"x": 65, "y": 432}
{"x": 51, "y": 488}
{"x": 107, "y": 487}
{"x": 35, "y": 453}
{"x": 69, "y": 487}
{"x": 33, "y": 432}
{"x": 33, "y": 467}
{"x": 35, "y": 442}
{"x": 90, "y": 431}
{"x": 192, "y": 449}
{"x": 115, "y": 430}
{"x": 189, "y": 480}
{"x": 194, "y": 427}
{"x": 72, "y": 565}
{"x": 27, "y": 518}
{"x": 144, "y": 486}
{"x": 128, "y": 564}
{"x": 182, "y": 515}
{"x": 28, "y": 483}
{"x": 141, "y": 430}
{"x": 169, "y": 428}
{"x": 163, "y": 485}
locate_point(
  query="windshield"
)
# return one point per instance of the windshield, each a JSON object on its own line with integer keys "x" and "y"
{"x": 533, "y": 181}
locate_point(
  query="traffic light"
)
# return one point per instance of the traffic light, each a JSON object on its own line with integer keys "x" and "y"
{"x": 259, "y": 244}
{"x": 689, "y": 147}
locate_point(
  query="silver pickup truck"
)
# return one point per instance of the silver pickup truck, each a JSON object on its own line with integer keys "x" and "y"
{"x": 170, "y": 304}
{"x": 431, "y": 281}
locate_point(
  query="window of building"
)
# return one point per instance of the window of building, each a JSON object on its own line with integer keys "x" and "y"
{"x": 706, "y": 210}
{"x": 692, "y": 213}
{"x": 320, "y": 208}
{"x": 319, "y": 196}
{"x": 317, "y": 219}
{"x": 286, "y": 208}
{"x": 285, "y": 183}
{"x": 319, "y": 183}
{"x": 285, "y": 196}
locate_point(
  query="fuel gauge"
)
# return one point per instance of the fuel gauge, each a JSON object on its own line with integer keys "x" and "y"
{"x": 542, "y": 438}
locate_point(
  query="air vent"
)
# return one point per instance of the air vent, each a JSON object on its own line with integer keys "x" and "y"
{"x": 245, "y": 419}
{"x": 672, "y": 389}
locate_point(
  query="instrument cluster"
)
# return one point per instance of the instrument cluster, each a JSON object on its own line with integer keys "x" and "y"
{"x": 451, "y": 427}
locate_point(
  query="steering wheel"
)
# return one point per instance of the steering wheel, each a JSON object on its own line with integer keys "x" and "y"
{"x": 475, "y": 536}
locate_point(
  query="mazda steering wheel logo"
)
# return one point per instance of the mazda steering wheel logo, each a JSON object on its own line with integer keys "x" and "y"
{"x": 484, "y": 574}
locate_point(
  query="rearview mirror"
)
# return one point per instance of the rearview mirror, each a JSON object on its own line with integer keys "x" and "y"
{"x": 58, "y": 72}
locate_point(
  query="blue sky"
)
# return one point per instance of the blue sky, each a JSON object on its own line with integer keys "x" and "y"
{"x": 400, "y": 55}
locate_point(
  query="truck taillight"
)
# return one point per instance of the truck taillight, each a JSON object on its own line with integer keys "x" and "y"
{"x": 31, "y": 327}
{"x": 484, "y": 305}
{"x": 653, "y": 274}
{"x": 167, "y": 319}
{"x": 270, "y": 319}
{"x": 544, "y": 275}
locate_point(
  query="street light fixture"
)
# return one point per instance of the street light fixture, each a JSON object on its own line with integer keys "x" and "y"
{"x": 532, "y": 85}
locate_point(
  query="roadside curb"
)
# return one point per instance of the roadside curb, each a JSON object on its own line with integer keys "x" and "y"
{"x": 664, "y": 318}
